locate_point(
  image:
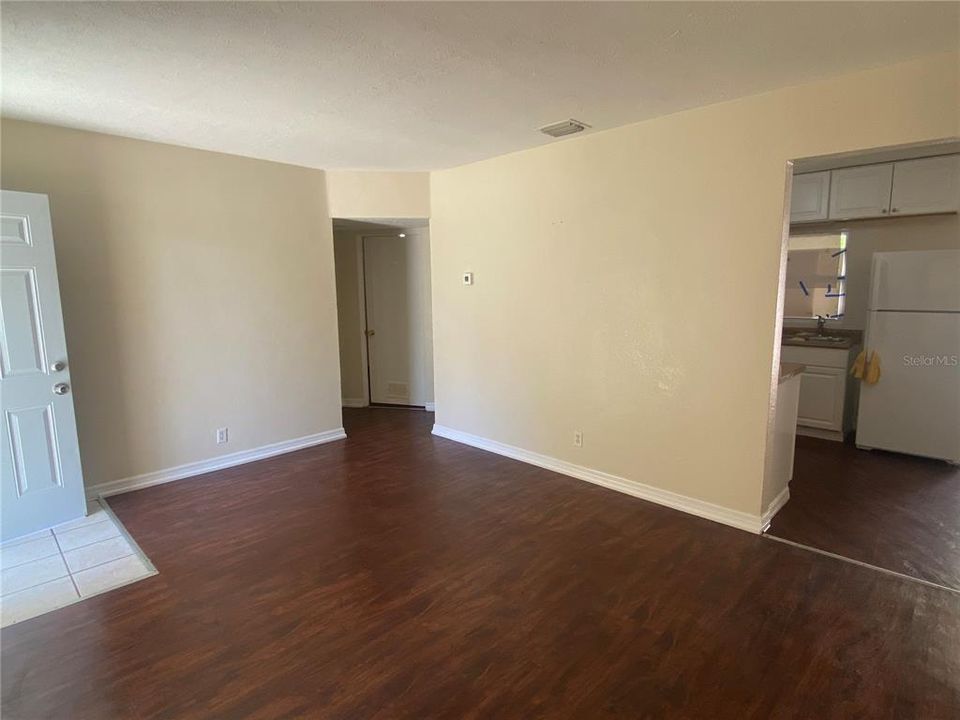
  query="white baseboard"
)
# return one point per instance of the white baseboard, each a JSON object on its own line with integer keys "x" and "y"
{"x": 778, "y": 502}
{"x": 684, "y": 503}
{"x": 430, "y": 407}
{"x": 136, "y": 482}
{"x": 835, "y": 435}
{"x": 353, "y": 402}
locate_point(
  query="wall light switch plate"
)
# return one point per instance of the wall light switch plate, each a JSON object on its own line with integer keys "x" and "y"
{"x": 223, "y": 435}
{"x": 468, "y": 278}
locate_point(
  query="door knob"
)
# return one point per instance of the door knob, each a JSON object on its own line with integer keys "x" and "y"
{"x": 61, "y": 388}
{"x": 59, "y": 366}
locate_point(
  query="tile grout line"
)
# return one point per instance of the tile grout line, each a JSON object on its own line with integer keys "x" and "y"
{"x": 79, "y": 547}
{"x": 38, "y": 559}
{"x": 54, "y": 536}
{"x": 137, "y": 552}
{"x": 64, "y": 559}
{"x": 14, "y": 542}
{"x": 70, "y": 573}
{"x": 31, "y": 587}
{"x": 100, "y": 564}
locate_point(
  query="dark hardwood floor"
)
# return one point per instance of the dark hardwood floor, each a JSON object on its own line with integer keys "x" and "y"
{"x": 894, "y": 511}
{"x": 398, "y": 575}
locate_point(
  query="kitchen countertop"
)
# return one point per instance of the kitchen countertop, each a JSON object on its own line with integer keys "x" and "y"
{"x": 808, "y": 338}
{"x": 789, "y": 370}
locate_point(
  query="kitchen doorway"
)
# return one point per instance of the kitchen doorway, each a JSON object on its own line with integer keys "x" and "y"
{"x": 866, "y": 466}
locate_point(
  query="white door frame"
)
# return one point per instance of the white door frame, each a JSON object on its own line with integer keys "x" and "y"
{"x": 362, "y": 299}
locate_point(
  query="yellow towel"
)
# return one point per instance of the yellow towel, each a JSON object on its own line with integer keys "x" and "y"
{"x": 872, "y": 374}
{"x": 867, "y": 368}
{"x": 858, "y": 365}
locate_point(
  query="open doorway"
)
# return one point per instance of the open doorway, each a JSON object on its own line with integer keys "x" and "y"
{"x": 865, "y": 435}
{"x": 384, "y": 312}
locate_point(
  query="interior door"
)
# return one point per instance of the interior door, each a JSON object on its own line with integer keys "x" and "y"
{"x": 42, "y": 483}
{"x": 386, "y": 270}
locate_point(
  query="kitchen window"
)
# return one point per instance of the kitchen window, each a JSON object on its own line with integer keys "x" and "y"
{"x": 816, "y": 276}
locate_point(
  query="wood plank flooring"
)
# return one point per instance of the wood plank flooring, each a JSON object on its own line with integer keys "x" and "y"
{"x": 398, "y": 575}
{"x": 894, "y": 511}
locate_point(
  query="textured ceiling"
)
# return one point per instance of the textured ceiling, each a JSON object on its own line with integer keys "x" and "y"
{"x": 410, "y": 86}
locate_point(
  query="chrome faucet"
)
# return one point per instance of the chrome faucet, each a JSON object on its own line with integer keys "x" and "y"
{"x": 821, "y": 322}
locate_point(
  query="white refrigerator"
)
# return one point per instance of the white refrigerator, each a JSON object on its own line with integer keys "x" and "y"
{"x": 913, "y": 322}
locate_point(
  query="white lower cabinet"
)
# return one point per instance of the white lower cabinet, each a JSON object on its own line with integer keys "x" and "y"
{"x": 827, "y": 406}
{"x": 821, "y": 398}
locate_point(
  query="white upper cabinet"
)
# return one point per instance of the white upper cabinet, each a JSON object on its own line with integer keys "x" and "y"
{"x": 904, "y": 187}
{"x": 928, "y": 185}
{"x": 861, "y": 192}
{"x": 809, "y": 197}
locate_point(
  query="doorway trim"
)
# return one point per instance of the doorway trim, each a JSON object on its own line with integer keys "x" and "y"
{"x": 767, "y": 513}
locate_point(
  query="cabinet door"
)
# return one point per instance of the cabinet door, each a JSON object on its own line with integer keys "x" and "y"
{"x": 860, "y": 192}
{"x": 927, "y": 185}
{"x": 821, "y": 398}
{"x": 809, "y": 198}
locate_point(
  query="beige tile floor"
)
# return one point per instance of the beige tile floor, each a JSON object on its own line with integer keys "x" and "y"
{"x": 52, "y": 568}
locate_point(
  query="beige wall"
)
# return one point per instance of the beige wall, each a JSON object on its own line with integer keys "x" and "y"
{"x": 626, "y": 282}
{"x": 370, "y": 194}
{"x": 198, "y": 292}
{"x": 865, "y": 237}
{"x": 346, "y": 244}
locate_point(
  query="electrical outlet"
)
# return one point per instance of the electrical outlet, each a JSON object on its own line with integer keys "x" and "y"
{"x": 468, "y": 278}
{"x": 578, "y": 438}
{"x": 223, "y": 435}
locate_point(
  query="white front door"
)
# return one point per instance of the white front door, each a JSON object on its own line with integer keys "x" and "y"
{"x": 42, "y": 483}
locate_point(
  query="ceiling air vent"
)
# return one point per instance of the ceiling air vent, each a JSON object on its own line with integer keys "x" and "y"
{"x": 567, "y": 127}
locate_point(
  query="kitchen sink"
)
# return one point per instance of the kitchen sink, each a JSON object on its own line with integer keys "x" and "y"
{"x": 811, "y": 337}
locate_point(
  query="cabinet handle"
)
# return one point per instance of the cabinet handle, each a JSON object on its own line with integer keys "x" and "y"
{"x": 884, "y": 211}
{"x": 894, "y": 210}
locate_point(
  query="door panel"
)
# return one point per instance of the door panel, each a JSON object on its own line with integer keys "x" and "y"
{"x": 927, "y": 185}
{"x": 860, "y": 191}
{"x": 810, "y": 197}
{"x": 33, "y": 443}
{"x": 821, "y": 398}
{"x": 915, "y": 280}
{"x": 22, "y": 350}
{"x": 40, "y": 474}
